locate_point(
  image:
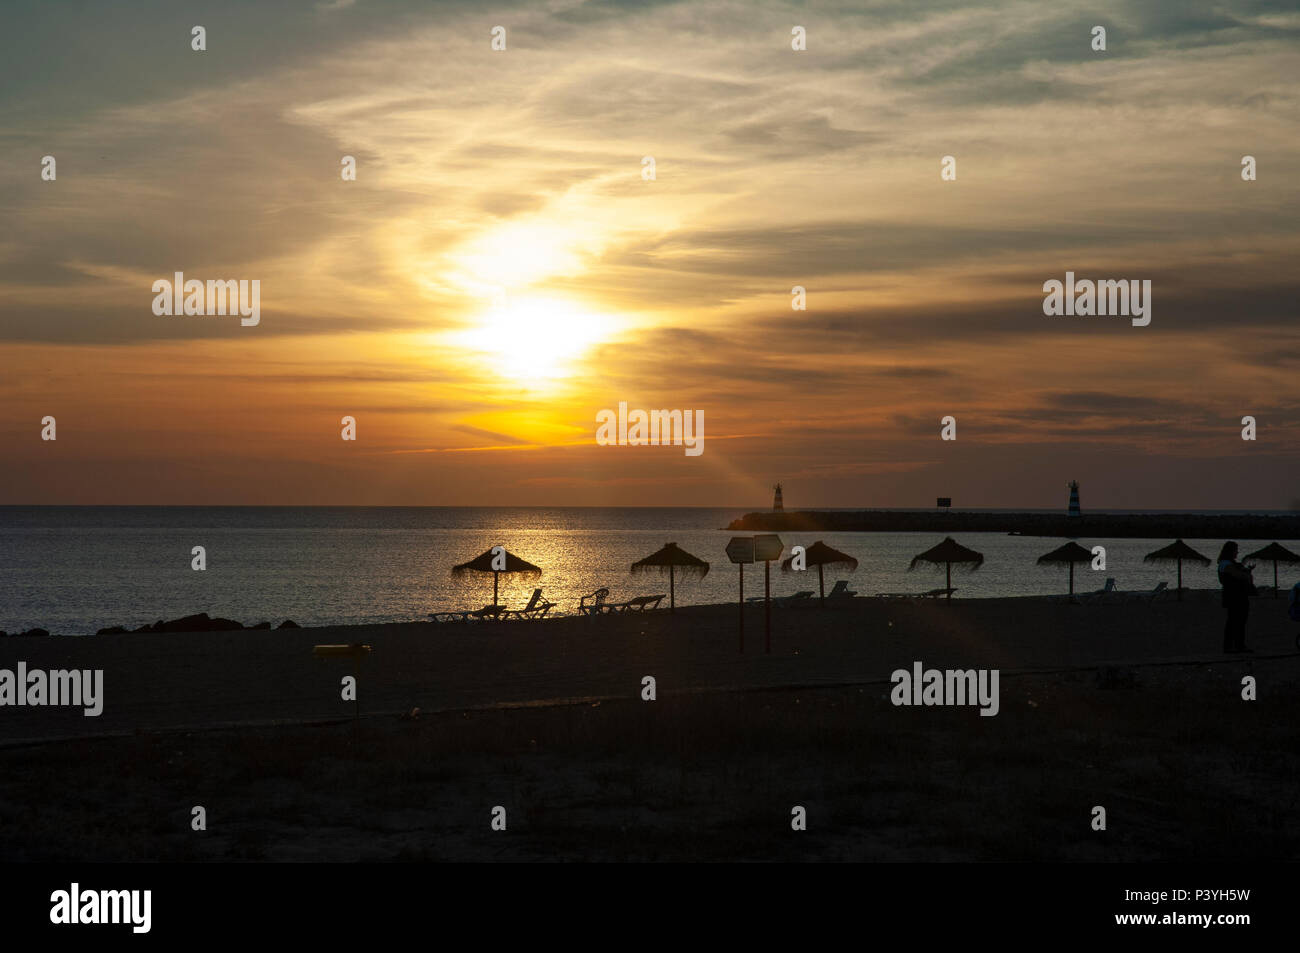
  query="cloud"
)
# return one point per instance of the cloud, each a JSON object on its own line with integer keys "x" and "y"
{"x": 774, "y": 168}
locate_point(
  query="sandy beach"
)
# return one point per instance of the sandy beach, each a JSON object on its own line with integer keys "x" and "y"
{"x": 159, "y": 681}
{"x": 1127, "y": 704}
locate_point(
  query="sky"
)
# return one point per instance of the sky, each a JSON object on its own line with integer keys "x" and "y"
{"x": 502, "y": 268}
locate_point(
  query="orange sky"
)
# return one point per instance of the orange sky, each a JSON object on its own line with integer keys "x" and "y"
{"x": 500, "y": 270}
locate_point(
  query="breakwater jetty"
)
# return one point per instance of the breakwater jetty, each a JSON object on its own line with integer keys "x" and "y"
{"x": 1098, "y": 525}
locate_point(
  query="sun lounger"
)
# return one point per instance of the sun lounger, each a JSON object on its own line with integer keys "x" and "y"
{"x": 940, "y": 593}
{"x": 536, "y": 609}
{"x": 475, "y": 615}
{"x": 639, "y": 604}
{"x": 1137, "y": 595}
{"x": 1099, "y": 595}
{"x": 796, "y": 598}
{"x": 841, "y": 591}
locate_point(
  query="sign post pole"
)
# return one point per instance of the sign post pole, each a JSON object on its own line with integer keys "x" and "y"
{"x": 767, "y": 604}
{"x": 768, "y": 547}
{"x": 740, "y": 550}
{"x": 356, "y": 651}
{"x": 740, "y": 603}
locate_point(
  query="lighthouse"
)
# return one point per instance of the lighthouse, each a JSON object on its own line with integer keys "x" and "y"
{"x": 1074, "y": 498}
{"x": 777, "y": 505}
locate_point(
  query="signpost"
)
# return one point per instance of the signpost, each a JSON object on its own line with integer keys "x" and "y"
{"x": 740, "y": 551}
{"x": 356, "y": 651}
{"x": 767, "y": 547}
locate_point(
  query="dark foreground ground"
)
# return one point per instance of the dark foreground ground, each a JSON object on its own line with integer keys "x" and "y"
{"x": 1124, "y": 704}
{"x": 1185, "y": 768}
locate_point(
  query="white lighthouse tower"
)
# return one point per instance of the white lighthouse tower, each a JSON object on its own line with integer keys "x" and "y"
{"x": 1074, "y": 499}
{"x": 777, "y": 504}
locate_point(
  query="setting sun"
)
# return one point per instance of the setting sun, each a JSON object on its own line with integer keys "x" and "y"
{"x": 533, "y": 340}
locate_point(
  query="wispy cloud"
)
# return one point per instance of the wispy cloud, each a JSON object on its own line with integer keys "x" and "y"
{"x": 522, "y": 168}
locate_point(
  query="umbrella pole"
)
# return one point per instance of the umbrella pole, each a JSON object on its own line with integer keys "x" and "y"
{"x": 767, "y": 604}
{"x": 1071, "y": 580}
{"x": 672, "y": 592}
{"x": 948, "y": 594}
{"x": 821, "y": 583}
{"x": 1275, "y": 579}
{"x": 1180, "y": 580}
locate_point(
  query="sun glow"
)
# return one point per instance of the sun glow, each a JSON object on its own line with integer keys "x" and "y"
{"x": 519, "y": 254}
{"x": 533, "y": 340}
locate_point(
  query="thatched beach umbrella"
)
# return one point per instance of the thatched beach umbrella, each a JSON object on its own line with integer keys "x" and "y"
{"x": 483, "y": 563}
{"x": 672, "y": 558}
{"x": 1276, "y": 553}
{"x": 1178, "y": 552}
{"x": 821, "y": 555}
{"x": 945, "y": 554}
{"x": 1070, "y": 553}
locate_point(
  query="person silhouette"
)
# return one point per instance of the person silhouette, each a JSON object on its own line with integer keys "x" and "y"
{"x": 1238, "y": 587}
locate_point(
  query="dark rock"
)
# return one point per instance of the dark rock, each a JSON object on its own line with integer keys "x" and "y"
{"x": 189, "y": 623}
{"x": 34, "y": 632}
{"x": 261, "y": 625}
{"x": 288, "y": 624}
{"x": 199, "y": 622}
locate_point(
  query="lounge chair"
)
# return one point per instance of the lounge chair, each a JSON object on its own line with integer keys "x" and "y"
{"x": 796, "y": 598}
{"x": 940, "y": 593}
{"x": 1099, "y": 595}
{"x": 598, "y": 604}
{"x": 1137, "y": 595}
{"x": 476, "y": 615}
{"x": 639, "y": 604}
{"x": 1157, "y": 592}
{"x": 841, "y": 591}
{"x": 536, "y": 609}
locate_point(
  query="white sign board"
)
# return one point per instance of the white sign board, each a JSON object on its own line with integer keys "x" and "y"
{"x": 741, "y": 549}
{"x": 767, "y": 546}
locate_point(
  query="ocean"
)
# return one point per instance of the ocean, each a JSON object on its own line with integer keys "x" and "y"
{"x": 73, "y": 570}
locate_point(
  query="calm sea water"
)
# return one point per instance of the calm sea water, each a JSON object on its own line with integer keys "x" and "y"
{"x": 73, "y": 570}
